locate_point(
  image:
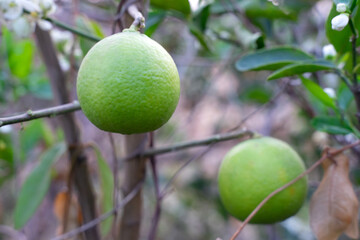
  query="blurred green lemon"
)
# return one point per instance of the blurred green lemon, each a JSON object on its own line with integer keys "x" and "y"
{"x": 252, "y": 170}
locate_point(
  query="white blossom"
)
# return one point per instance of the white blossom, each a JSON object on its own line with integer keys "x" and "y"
{"x": 341, "y": 7}
{"x": 330, "y": 92}
{"x": 328, "y": 51}
{"x": 22, "y": 27}
{"x": 21, "y": 16}
{"x": 11, "y": 9}
{"x": 340, "y": 21}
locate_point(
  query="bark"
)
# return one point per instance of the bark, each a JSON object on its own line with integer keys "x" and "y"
{"x": 77, "y": 157}
{"x": 135, "y": 170}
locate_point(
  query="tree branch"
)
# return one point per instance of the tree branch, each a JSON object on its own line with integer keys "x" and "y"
{"x": 326, "y": 154}
{"x": 71, "y": 29}
{"x": 46, "y": 112}
{"x": 195, "y": 143}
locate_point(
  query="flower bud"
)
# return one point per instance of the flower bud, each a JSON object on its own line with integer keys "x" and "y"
{"x": 330, "y": 92}
{"x": 329, "y": 51}
{"x": 341, "y": 7}
{"x": 339, "y": 22}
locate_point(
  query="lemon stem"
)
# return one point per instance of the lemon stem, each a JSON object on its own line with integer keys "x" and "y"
{"x": 139, "y": 20}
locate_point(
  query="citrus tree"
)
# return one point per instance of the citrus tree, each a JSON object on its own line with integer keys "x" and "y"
{"x": 104, "y": 103}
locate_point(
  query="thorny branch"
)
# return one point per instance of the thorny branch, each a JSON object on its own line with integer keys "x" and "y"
{"x": 327, "y": 153}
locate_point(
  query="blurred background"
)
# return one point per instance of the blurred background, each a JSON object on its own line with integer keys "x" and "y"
{"x": 206, "y": 39}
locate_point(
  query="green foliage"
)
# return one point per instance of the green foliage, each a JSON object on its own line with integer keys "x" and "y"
{"x": 318, "y": 92}
{"x": 271, "y": 59}
{"x": 302, "y": 67}
{"x": 30, "y": 135}
{"x": 181, "y": 6}
{"x": 155, "y": 18}
{"x": 88, "y": 26}
{"x": 35, "y": 186}
{"x": 332, "y": 125}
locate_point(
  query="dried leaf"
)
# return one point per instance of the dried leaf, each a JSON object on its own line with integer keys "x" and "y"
{"x": 74, "y": 219}
{"x": 334, "y": 205}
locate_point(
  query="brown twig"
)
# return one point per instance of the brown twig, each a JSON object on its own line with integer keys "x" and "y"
{"x": 46, "y": 112}
{"x": 103, "y": 217}
{"x": 189, "y": 144}
{"x": 116, "y": 184}
{"x": 157, "y": 212}
{"x": 327, "y": 153}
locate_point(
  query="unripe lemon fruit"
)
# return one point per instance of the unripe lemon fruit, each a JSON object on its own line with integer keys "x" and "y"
{"x": 128, "y": 83}
{"x": 252, "y": 170}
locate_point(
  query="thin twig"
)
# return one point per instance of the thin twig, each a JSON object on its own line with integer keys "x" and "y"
{"x": 102, "y": 217}
{"x": 180, "y": 146}
{"x": 157, "y": 212}
{"x": 12, "y": 233}
{"x": 115, "y": 176}
{"x": 46, "y": 112}
{"x": 71, "y": 29}
{"x": 169, "y": 183}
{"x": 262, "y": 107}
{"x": 326, "y": 154}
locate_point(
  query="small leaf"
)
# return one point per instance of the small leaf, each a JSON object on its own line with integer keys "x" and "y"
{"x": 318, "y": 92}
{"x": 35, "y": 186}
{"x": 271, "y": 59}
{"x": 334, "y": 205}
{"x": 153, "y": 21}
{"x": 302, "y": 67}
{"x": 30, "y": 136}
{"x": 107, "y": 187}
{"x": 182, "y": 6}
{"x": 199, "y": 36}
{"x": 345, "y": 97}
{"x": 201, "y": 17}
{"x": 90, "y": 27}
{"x": 331, "y": 125}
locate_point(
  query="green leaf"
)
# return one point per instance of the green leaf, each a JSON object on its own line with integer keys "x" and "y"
{"x": 153, "y": 21}
{"x": 199, "y": 36}
{"x": 268, "y": 10}
{"x": 90, "y": 27}
{"x": 20, "y": 55}
{"x": 201, "y": 17}
{"x": 107, "y": 187}
{"x": 332, "y": 125}
{"x": 302, "y": 67}
{"x": 182, "y": 6}
{"x": 318, "y": 92}
{"x": 35, "y": 186}
{"x": 30, "y": 135}
{"x": 271, "y": 59}
{"x": 345, "y": 97}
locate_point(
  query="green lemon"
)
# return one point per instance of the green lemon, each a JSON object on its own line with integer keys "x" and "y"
{"x": 252, "y": 170}
{"x": 128, "y": 83}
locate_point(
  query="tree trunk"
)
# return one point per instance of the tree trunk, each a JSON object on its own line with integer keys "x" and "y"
{"x": 77, "y": 156}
